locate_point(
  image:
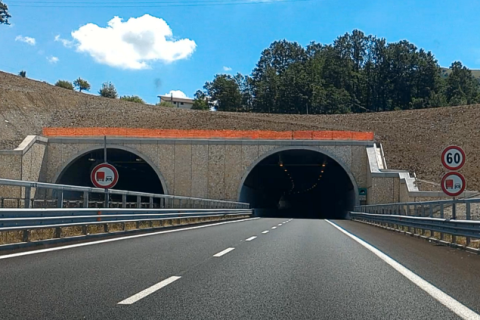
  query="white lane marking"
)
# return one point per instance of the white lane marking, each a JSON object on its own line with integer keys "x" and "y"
{"x": 274, "y": 227}
{"x": 149, "y": 291}
{"x": 280, "y": 225}
{"x": 14, "y": 255}
{"x": 455, "y": 306}
{"x": 224, "y": 252}
{"x": 251, "y": 238}
{"x": 264, "y": 232}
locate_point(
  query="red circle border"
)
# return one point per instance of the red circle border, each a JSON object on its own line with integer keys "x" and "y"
{"x": 463, "y": 156}
{"x": 104, "y": 165}
{"x": 464, "y": 184}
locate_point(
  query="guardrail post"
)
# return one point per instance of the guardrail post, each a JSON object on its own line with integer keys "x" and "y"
{"x": 442, "y": 216}
{"x": 180, "y": 203}
{"x": 124, "y": 200}
{"x": 467, "y": 217}
{"x": 60, "y": 199}
{"x": 151, "y": 202}
{"x": 58, "y": 233}
{"x": 86, "y": 196}
{"x": 454, "y": 209}
{"x": 26, "y": 236}
{"x": 28, "y": 191}
{"x": 139, "y": 202}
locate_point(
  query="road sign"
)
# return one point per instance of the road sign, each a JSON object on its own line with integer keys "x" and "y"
{"x": 362, "y": 194}
{"x": 453, "y": 184}
{"x": 104, "y": 176}
{"x": 453, "y": 158}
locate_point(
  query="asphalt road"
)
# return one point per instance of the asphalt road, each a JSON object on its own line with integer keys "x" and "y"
{"x": 302, "y": 269}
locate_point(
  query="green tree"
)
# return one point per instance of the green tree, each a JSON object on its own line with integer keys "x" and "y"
{"x": 136, "y": 99}
{"x": 225, "y": 92}
{"x": 23, "y": 74}
{"x": 81, "y": 84}
{"x": 108, "y": 91}
{"x": 64, "y": 84}
{"x": 4, "y": 15}
{"x": 200, "y": 102}
{"x": 166, "y": 104}
{"x": 461, "y": 86}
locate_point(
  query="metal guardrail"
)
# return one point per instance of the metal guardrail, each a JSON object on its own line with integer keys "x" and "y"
{"x": 47, "y": 195}
{"x": 27, "y": 220}
{"x": 465, "y": 209}
{"x": 463, "y": 228}
{"x": 459, "y": 217}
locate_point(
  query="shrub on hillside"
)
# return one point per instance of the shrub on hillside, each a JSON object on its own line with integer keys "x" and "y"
{"x": 64, "y": 84}
{"x": 108, "y": 90}
{"x": 166, "y": 104}
{"x": 136, "y": 99}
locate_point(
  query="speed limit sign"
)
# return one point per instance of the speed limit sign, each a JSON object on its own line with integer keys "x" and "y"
{"x": 453, "y": 158}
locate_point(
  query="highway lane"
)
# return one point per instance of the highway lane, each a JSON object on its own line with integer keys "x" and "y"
{"x": 303, "y": 269}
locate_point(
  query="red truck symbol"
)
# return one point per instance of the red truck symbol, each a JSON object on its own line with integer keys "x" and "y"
{"x": 100, "y": 176}
{"x": 449, "y": 184}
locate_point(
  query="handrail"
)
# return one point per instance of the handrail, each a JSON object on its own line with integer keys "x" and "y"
{"x": 124, "y": 193}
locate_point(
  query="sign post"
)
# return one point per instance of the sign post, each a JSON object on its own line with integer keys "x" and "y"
{"x": 453, "y": 183}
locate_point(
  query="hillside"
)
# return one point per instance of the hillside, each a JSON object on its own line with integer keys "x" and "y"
{"x": 447, "y": 71}
{"x": 413, "y": 140}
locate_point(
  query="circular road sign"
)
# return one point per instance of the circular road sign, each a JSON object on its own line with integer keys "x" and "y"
{"x": 453, "y": 158}
{"x": 453, "y": 184}
{"x": 104, "y": 176}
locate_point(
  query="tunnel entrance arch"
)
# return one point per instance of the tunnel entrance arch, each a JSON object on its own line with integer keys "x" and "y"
{"x": 300, "y": 182}
{"x": 137, "y": 172}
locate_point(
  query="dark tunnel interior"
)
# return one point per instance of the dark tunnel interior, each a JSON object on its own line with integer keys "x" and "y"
{"x": 299, "y": 184}
{"x": 135, "y": 174}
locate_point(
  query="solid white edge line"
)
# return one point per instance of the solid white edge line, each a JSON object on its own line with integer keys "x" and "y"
{"x": 265, "y": 232}
{"x": 27, "y": 253}
{"x": 251, "y": 238}
{"x": 224, "y": 252}
{"x": 149, "y": 291}
{"x": 455, "y": 306}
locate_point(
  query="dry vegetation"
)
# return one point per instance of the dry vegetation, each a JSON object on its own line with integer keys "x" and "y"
{"x": 413, "y": 140}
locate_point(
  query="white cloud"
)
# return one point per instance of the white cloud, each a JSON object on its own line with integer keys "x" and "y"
{"x": 27, "y": 40}
{"x": 176, "y": 94}
{"x": 52, "y": 59}
{"x": 131, "y": 44}
{"x": 65, "y": 42}
{"x": 227, "y": 69}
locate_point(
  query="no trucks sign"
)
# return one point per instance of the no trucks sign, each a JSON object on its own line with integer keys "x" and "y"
{"x": 104, "y": 176}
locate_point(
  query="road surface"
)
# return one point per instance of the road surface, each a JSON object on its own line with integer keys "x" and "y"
{"x": 252, "y": 269}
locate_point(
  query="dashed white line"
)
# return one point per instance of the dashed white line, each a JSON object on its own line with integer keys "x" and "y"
{"x": 251, "y": 238}
{"x": 279, "y": 224}
{"x": 266, "y": 231}
{"x": 274, "y": 227}
{"x": 458, "y": 308}
{"x": 27, "y": 253}
{"x": 224, "y": 252}
{"x": 149, "y": 291}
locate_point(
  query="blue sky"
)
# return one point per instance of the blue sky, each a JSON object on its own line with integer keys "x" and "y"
{"x": 140, "y": 57}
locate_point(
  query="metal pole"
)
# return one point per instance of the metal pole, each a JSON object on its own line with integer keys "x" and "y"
{"x": 105, "y": 149}
{"x": 454, "y": 209}
{"x": 107, "y": 200}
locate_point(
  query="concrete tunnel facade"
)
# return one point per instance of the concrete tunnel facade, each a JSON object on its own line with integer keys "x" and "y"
{"x": 224, "y": 169}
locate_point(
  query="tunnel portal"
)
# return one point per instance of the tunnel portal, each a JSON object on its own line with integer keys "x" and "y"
{"x": 134, "y": 172}
{"x": 300, "y": 184}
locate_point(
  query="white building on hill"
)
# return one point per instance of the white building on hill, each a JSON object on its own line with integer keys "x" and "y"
{"x": 182, "y": 103}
